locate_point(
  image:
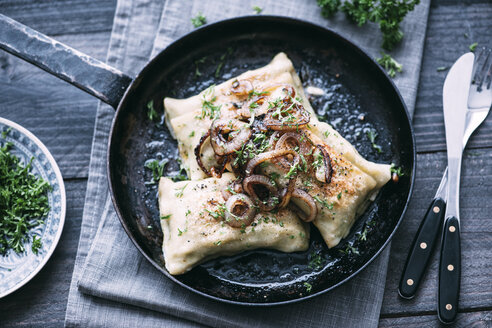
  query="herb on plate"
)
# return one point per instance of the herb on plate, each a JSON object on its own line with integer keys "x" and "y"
{"x": 23, "y": 203}
{"x": 390, "y": 64}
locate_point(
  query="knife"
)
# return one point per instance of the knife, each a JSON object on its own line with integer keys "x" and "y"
{"x": 424, "y": 243}
{"x": 455, "y": 103}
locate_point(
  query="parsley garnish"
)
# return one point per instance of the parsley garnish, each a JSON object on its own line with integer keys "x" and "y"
{"x": 323, "y": 202}
{"x": 316, "y": 261}
{"x": 23, "y": 202}
{"x": 398, "y": 170}
{"x": 165, "y": 217}
{"x": 151, "y": 112}
{"x": 180, "y": 232}
{"x": 257, "y": 9}
{"x": 157, "y": 168}
{"x": 217, "y": 243}
{"x": 390, "y": 64}
{"x": 179, "y": 191}
{"x": 308, "y": 286}
{"x": 350, "y": 249}
{"x": 36, "y": 244}
{"x": 372, "y": 135}
{"x": 442, "y": 68}
{"x": 199, "y": 20}
{"x": 473, "y": 46}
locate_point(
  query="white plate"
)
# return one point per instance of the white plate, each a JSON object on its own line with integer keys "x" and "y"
{"x": 17, "y": 269}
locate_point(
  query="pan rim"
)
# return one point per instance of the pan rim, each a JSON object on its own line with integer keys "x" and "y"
{"x": 263, "y": 18}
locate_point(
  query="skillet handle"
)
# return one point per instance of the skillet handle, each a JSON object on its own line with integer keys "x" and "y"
{"x": 89, "y": 74}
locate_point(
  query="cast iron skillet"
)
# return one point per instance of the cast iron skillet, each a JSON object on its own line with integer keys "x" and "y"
{"x": 360, "y": 98}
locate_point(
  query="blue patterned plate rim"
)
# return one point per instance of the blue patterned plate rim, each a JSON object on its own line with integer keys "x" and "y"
{"x": 56, "y": 217}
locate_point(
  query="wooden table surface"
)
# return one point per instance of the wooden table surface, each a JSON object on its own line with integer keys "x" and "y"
{"x": 63, "y": 118}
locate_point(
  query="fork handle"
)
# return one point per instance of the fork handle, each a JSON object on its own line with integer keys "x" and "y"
{"x": 422, "y": 249}
{"x": 449, "y": 271}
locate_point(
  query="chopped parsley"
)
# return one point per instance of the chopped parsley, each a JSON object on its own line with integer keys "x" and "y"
{"x": 199, "y": 20}
{"x": 350, "y": 249}
{"x": 179, "y": 191}
{"x": 180, "y": 232}
{"x": 219, "y": 213}
{"x": 23, "y": 202}
{"x": 157, "y": 168}
{"x": 36, "y": 244}
{"x": 188, "y": 212}
{"x": 257, "y": 9}
{"x": 442, "y": 68}
{"x": 208, "y": 108}
{"x": 473, "y": 46}
{"x": 197, "y": 62}
{"x": 398, "y": 170}
{"x": 151, "y": 112}
{"x": 323, "y": 202}
{"x": 165, "y": 217}
{"x": 339, "y": 195}
{"x": 308, "y": 286}
{"x": 390, "y": 64}
{"x": 217, "y": 243}
{"x": 372, "y": 135}
{"x": 316, "y": 261}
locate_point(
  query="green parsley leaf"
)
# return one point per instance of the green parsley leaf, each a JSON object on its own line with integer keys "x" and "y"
{"x": 165, "y": 217}
{"x": 389, "y": 64}
{"x": 257, "y": 9}
{"x": 473, "y": 46}
{"x": 308, "y": 286}
{"x": 23, "y": 202}
{"x": 199, "y": 20}
{"x": 329, "y": 7}
{"x": 151, "y": 112}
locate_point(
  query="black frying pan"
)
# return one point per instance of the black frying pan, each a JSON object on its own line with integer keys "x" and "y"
{"x": 361, "y": 97}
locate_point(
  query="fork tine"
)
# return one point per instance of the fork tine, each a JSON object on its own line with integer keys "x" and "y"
{"x": 482, "y": 70}
{"x": 489, "y": 77}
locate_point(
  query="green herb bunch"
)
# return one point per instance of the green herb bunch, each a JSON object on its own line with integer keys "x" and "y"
{"x": 23, "y": 203}
{"x": 388, "y": 14}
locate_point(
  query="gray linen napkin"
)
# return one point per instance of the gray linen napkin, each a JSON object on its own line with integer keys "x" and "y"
{"x": 113, "y": 285}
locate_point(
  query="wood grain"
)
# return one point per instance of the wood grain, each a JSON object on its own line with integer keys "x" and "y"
{"x": 60, "y": 115}
{"x": 62, "y": 16}
{"x": 63, "y": 118}
{"x": 476, "y": 237}
{"x": 452, "y": 28}
{"x": 480, "y": 319}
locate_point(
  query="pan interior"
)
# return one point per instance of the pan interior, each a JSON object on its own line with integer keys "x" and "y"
{"x": 358, "y": 99}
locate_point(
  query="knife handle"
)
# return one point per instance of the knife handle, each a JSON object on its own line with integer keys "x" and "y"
{"x": 421, "y": 249}
{"x": 449, "y": 271}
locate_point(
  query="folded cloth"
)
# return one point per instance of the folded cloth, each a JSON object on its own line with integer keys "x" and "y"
{"x": 113, "y": 285}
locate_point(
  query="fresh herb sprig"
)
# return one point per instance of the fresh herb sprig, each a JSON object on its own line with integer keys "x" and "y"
{"x": 199, "y": 20}
{"x": 23, "y": 203}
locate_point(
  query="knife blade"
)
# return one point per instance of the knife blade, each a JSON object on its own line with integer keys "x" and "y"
{"x": 455, "y": 99}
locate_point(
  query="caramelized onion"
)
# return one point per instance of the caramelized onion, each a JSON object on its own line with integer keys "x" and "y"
{"x": 287, "y": 88}
{"x": 327, "y": 163}
{"x": 298, "y": 118}
{"x": 286, "y": 193}
{"x": 236, "y": 187}
{"x": 241, "y": 88}
{"x": 309, "y": 201}
{"x": 222, "y": 160}
{"x": 265, "y": 205}
{"x": 240, "y": 211}
{"x": 253, "y": 163}
{"x": 228, "y": 135}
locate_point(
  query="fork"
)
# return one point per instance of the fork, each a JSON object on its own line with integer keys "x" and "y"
{"x": 479, "y": 102}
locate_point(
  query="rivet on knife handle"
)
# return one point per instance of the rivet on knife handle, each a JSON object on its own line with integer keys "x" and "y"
{"x": 449, "y": 271}
{"x": 421, "y": 249}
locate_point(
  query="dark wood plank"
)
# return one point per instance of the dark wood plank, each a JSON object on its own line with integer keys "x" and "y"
{"x": 43, "y": 300}
{"x": 55, "y": 17}
{"x": 480, "y": 319}
{"x": 59, "y": 114}
{"x": 446, "y": 42}
{"x": 476, "y": 226}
